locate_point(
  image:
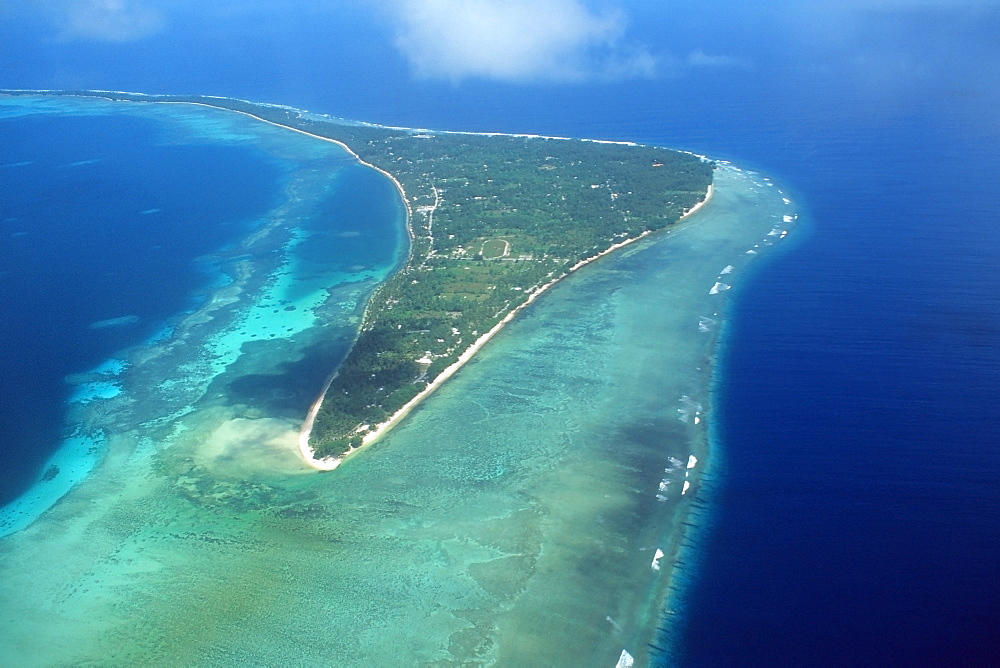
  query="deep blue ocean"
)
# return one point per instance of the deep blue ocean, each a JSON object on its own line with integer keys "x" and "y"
{"x": 855, "y": 517}
{"x": 89, "y": 266}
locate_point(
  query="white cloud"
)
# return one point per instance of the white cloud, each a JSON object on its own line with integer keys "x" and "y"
{"x": 516, "y": 40}
{"x": 104, "y": 20}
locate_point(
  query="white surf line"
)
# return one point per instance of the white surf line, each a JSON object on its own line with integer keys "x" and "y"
{"x": 719, "y": 287}
{"x": 347, "y": 122}
{"x": 692, "y": 462}
{"x": 656, "y": 559}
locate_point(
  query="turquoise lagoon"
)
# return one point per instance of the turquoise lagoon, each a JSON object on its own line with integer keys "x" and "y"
{"x": 518, "y": 516}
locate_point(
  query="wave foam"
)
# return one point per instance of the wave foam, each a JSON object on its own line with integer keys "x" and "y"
{"x": 626, "y": 660}
{"x": 719, "y": 287}
{"x": 656, "y": 559}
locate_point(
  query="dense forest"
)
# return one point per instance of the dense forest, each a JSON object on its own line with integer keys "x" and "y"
{"x": 492, "y": 218}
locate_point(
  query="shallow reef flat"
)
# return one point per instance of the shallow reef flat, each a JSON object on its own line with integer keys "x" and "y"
{"x": 514, "y": 517}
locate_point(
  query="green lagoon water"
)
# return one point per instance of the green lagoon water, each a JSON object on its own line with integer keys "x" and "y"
{"x": 513, "y": 518}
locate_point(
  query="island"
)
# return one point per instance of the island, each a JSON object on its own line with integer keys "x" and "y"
{"x": 494, "y": 220}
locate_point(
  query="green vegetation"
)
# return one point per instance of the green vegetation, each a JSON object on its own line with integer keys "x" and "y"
{"x": 495, "y": 248}
{"x": 492, "y": 218}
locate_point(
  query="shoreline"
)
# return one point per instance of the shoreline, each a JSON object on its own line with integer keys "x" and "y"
{"x": 331, "y": 463}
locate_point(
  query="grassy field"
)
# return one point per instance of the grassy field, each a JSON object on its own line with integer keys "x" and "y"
{"x": 495, "y": 248}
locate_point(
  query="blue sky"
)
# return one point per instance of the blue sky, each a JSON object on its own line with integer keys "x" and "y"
{"x": 521, "y": 41}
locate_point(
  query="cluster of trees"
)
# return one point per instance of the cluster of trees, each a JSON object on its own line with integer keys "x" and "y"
{"x": 561, "y": 193}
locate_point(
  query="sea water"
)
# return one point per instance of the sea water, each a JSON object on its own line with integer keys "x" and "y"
{"x": 131, "y": 230}
{"x": 102, "y": 220}
{"x": 859, "y": 386}
{"x": 751, "y": 541}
